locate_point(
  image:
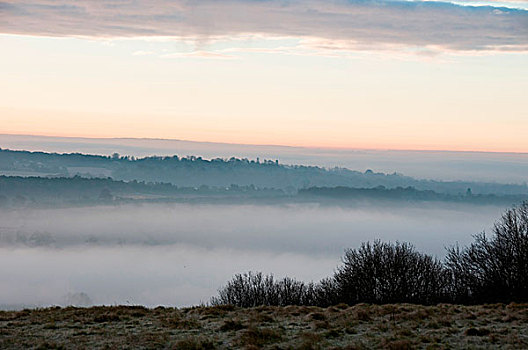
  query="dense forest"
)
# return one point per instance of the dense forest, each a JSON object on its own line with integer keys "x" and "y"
{"x": 18, "y": 191}
{"x": 406, "y": 194}
{"x": 192, "y": 171}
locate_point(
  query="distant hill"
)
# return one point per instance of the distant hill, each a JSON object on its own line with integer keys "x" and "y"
{"x": 421, "y": 164}
{"x": 404, "y": 194}
{"x": 18, "y": 191}
{"x": 193, "y": 171}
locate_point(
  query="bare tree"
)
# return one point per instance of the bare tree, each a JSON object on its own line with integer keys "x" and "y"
{"x": 493, "y": 269}
{"x": 388, "y": 273}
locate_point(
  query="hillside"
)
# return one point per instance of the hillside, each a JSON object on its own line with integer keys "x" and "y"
{"x": 397, "y": 326}
{"x": 193, "y": 171}
{"x": 19, "y": 191}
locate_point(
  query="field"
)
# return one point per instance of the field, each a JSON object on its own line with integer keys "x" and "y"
{"x": 398, "y": 326}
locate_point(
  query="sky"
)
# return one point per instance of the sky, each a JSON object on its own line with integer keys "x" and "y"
{"x": 423, "y": 75}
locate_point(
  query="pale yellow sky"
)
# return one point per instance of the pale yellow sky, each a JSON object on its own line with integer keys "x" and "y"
{"x": 388, "y": 100}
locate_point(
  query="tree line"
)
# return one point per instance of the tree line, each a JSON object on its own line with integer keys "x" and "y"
{"x": 490, "y": 270}
{"x": 17, "y": 191}
{"x": 194, "y": 171}
{"x": 406, "y": 194}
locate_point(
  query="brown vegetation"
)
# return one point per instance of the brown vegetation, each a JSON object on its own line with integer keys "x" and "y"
{"x": 363, "y": 326}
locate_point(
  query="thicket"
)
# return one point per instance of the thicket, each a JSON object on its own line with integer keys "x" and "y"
{"x": 491, "y": 269}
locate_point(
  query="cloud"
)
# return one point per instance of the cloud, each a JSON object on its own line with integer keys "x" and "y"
{"x": 199, "y": 54}
{"x": 143, "y": 53}
{"x": 353, "y": 24}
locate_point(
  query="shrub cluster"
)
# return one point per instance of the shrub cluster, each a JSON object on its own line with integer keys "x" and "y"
{"x": 382, "y": 273}
{"x": 487, "y": 271}
{"x": 254, "y": 289}
{"x": 251, "y": 289}
{"x": 493, "y": 269}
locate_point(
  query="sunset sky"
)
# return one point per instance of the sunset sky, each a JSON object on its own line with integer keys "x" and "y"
{"x": 346, "y": 74}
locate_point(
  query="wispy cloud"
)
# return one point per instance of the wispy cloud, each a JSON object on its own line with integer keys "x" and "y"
{"x": 199, "y": 54}
{"x": 350, "y": 24}
{"x": 143, "y": 53}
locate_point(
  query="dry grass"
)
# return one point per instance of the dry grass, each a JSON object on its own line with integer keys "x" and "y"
{"x": 399, "y": 326}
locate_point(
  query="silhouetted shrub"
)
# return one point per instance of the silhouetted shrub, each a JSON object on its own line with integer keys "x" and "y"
{"x": 254, "y": 289}
{"x": 374, "y": 273}
{"x": 493, "y": 269}
{"x": 325, "y": 293}
{"x": 490, "y": 270}
{"x": 390, "y": 273}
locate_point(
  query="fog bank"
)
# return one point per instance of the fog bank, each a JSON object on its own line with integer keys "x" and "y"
{"x": 299, "y": 228}
{"x": 181, "y": 254}
{"x": 176, "y": 275}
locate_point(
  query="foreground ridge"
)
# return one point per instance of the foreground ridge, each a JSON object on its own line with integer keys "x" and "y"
{"x": 390, "y": 326}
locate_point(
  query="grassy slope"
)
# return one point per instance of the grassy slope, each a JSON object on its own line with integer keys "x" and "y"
{"x": 400, "y": 326}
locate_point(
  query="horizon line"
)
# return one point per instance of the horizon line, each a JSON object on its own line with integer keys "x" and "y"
{"x": 330, "y": 148}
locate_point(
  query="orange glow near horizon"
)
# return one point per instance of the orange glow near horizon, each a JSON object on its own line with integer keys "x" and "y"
{"x": 80, "y": 88}
{"x": 403, "y": 139}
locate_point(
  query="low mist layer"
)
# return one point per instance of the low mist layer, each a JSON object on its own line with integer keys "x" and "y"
{"x": 302, "y": 228}
{"x": 178, "y": 275}
{"x": 181, "y": 254}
